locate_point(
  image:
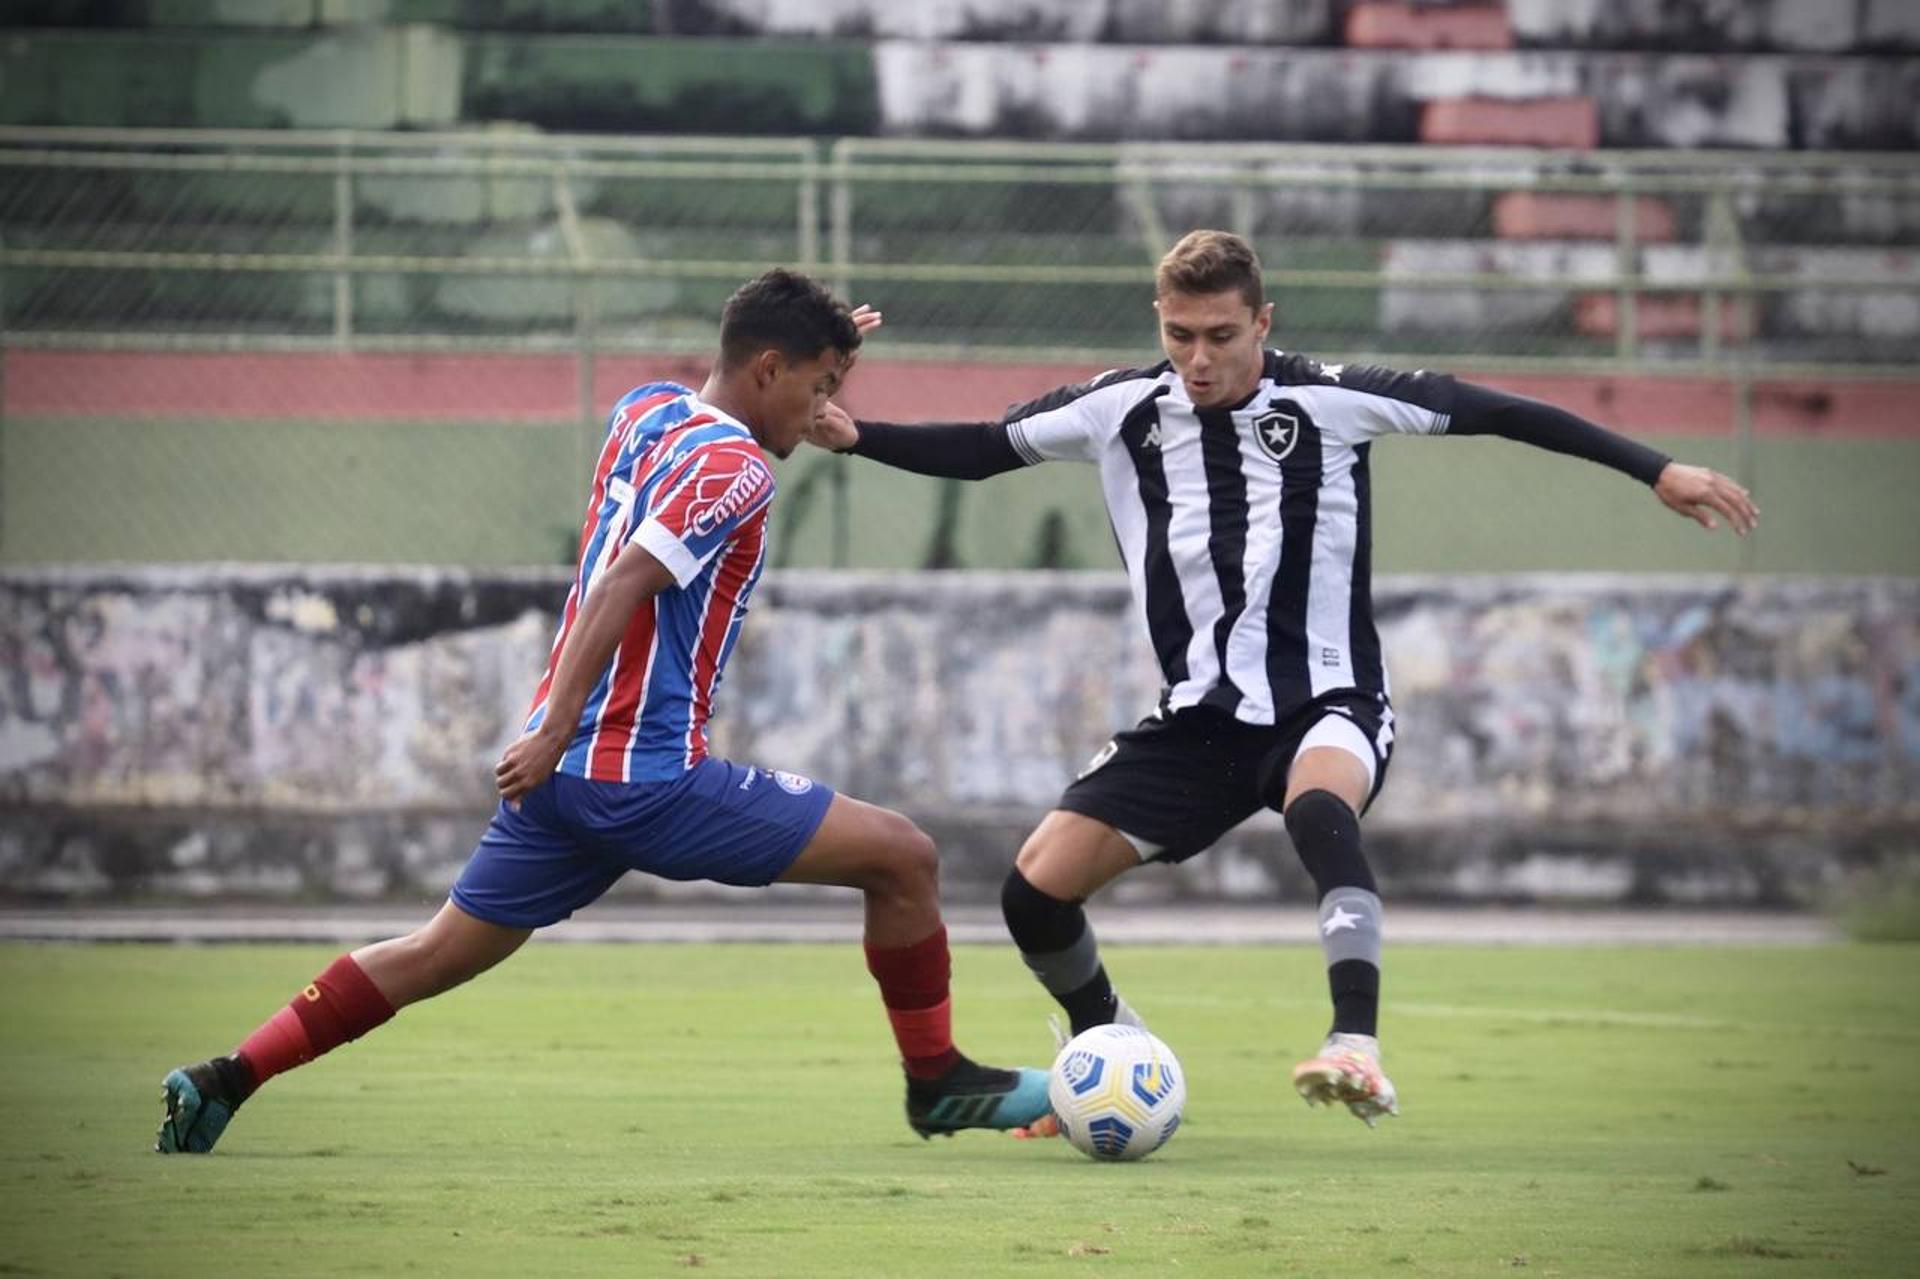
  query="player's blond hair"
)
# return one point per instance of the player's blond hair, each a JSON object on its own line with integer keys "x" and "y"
{"x": 1211, "y": 262}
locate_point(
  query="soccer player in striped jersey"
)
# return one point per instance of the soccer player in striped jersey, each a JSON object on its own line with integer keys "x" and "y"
{"x": 612, "y": 773}
{"x": 1236, "y": 478}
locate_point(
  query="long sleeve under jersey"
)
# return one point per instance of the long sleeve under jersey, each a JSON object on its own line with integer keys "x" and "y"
{"x": 978, "y": 450}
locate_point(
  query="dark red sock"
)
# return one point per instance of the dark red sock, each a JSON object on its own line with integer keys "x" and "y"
{"x": 913, "y": 985}
{"x": 341, "y": 1005}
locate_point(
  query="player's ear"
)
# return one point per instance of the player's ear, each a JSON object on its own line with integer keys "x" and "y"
{"x": 768, "y": 366}
{"x": 1263, "y": 320}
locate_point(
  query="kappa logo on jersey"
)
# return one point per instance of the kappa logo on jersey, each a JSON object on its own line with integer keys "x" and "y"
{"x": 1276, "y": 432}
{"x": 792, "y": 783}
{"x": 748, "y": 484}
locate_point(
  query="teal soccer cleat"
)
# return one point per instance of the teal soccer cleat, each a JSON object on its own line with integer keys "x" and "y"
{"x": 975, "y": 1096}
{"x": 201, "y": 1100}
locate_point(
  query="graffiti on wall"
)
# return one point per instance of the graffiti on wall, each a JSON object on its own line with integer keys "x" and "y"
{"x": 217, "y": 701}
{"x": 262, "y": 689}
{"x": 321, "y": 689}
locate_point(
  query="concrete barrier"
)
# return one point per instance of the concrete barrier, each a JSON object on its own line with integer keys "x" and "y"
{"x": 324, "y": 734}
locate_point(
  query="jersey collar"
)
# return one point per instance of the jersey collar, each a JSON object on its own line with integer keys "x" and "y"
{"x": 700, "y": 406}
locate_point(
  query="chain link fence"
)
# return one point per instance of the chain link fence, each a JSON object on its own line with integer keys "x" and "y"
{"x": 399, "y": 346}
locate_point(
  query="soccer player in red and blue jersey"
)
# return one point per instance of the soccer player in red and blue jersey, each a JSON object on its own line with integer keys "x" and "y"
{"x": 612, "y": 772}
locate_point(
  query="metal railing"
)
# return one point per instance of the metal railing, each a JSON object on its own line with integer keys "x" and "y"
{"x": 1130, "y": 198}
{"x": 1654, "y": 263}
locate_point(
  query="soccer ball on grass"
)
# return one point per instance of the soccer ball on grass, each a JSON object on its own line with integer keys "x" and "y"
{"x": 1117, "y": 1092}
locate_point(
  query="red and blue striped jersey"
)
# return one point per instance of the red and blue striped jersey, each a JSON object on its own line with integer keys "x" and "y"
{"x": 689, "y": 484}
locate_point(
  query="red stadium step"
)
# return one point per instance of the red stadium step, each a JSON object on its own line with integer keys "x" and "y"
{"x": 1852, "y": 409}
{"x": 543, "y": 389}
{"x": 1403, "y": 26}
{"x": 1659, "y": 315}
{"x": 1563, "y": 123}
{"x": 1540, "y": 215}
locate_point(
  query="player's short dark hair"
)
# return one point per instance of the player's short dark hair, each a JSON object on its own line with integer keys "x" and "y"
{"x": 1211, "y": 262}
{"x": 787, "y": 310}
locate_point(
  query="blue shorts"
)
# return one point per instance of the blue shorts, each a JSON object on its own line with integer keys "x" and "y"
{"x": 571, "y": 838}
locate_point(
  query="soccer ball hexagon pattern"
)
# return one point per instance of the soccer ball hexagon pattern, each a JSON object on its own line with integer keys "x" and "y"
{"x": 1117, "y": 1092}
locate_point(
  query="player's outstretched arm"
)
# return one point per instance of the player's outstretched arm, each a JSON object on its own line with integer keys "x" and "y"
{"x": 954, "y": 450}
{"x": 1693, "y": 491}
{"x": 950, "y": 450}
{"x": 633, "y": 578}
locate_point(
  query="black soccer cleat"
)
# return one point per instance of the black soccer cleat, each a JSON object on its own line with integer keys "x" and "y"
{"x": 201, "y": 1100}
{"x": 970, "y": 1095}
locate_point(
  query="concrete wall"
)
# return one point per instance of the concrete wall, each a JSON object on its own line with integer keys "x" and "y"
{"x": 327, "y": 733}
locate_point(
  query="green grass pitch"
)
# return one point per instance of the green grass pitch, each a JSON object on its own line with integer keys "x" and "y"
{"x": 736, "y": 1109}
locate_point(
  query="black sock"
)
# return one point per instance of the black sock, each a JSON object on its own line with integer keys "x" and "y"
{"x": 1059, "y": 948}
{"x": 1326, "y": 834}
{"x": 1090, "y": 1005}
{"x": 236, "y": 1080}
{"x": 1356, "y": 997}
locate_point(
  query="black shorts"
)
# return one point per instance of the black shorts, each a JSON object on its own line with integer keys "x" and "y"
{"x": 1178, "y": 782}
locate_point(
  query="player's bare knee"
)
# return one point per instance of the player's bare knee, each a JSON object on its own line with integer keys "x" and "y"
{"x": 1055, "y": 865}
{"x": 914, "y": 863}
{"x": 892, "y": 857}
{"x": 1034, "y": 853}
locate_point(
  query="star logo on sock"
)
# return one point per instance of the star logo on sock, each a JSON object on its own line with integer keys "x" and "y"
{"x": 1340, "y": 918}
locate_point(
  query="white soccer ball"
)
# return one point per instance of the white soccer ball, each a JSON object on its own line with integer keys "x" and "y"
{"x": 1117, "y": 1092}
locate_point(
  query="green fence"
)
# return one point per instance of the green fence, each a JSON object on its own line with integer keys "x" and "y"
{"x": 1778, "y": 292}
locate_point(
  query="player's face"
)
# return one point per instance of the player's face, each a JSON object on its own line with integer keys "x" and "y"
{"x": 1216, "y": 342}
{"x": 794, "y": 393}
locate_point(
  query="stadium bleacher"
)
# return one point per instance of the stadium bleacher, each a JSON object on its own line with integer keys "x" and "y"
{"x": 1812, "y": 74}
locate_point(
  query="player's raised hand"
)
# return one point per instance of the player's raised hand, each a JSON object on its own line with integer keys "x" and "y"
{"x": 833, "y": 429}
{"x": 1697, "y": 492}
{"x": 866, "y": 319}
{"x": 527, "y": 763}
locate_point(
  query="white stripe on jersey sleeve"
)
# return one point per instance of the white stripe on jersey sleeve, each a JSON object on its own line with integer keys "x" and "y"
{"x": 1075, "y": 431}
{"x": 658, "y": 540}
{"x": 1354, "y": 417}
{"x": 1017, "y": 436}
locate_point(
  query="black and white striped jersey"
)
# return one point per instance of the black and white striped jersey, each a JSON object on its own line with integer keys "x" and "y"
{"x": 1245, "y": 531}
